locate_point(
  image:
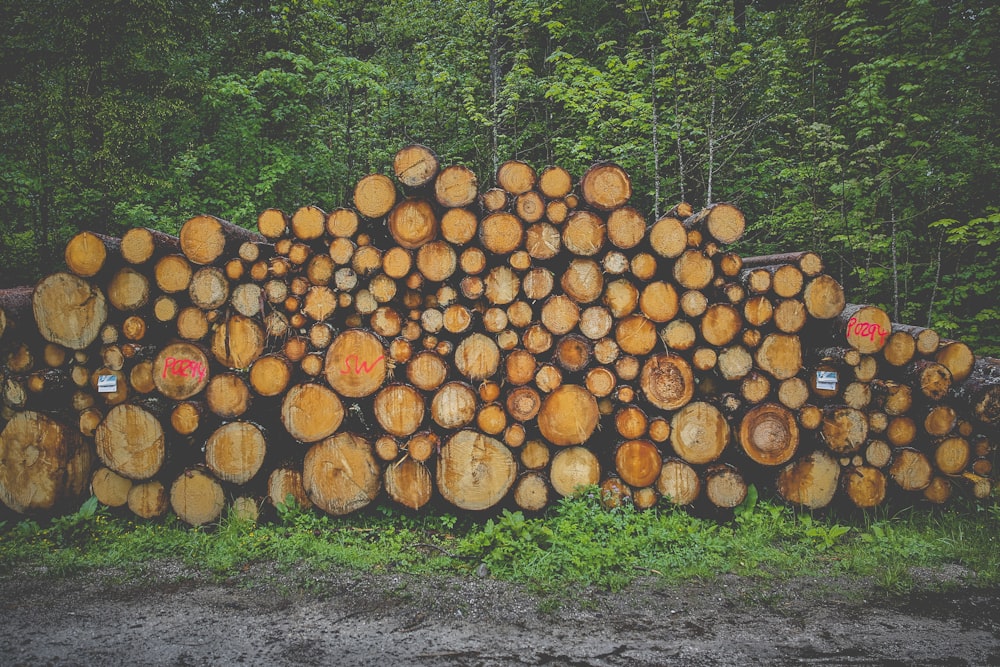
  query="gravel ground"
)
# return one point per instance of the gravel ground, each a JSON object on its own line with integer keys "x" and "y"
{"x": 170, "y": 616}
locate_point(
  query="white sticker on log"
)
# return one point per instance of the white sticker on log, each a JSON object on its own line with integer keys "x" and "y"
{"x": 107, "y": 384}
{"x": 826, "y": 380}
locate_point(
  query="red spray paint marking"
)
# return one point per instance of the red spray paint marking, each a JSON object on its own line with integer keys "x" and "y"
{"x": 183, "y": 367}
{"x": 866, "y": 330}
{"x": 359, "y": 366}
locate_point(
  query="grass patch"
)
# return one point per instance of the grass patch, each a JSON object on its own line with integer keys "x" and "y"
{"x": 577, "y": 542}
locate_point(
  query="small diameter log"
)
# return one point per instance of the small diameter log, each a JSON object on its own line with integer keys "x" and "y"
{"x": 69, "y": 310}
{"x": 87, "y": 253}
{"x": 399, "y": 409}
{"x": 845, "y": 429}
{"x": 720, "y": 325}
{"x": 939, "y": 490}
{"x": 573, "y": 468}
{"x": 308, "y": 223}
{"x": 636, "y": 335}
{"x": 477, "y": 357}
{"x": 693, "y": 270}
{"x": 186, "y": 417}
{"x": 209, "y": 288}
{"x": 272, "y": 224}
{"x": 454, "y": 405}
{"x": 981, "y": 391}
{"x": 780, "y": 355}
{"x": 374, "y": 196}
{"x": 810, "y": 481}
{"x": 180, "y": 370}
{"x": 456, "y": 186}
{"x": 128, "y": 290}
{"x": 699, "y": 432}
{"x": 555, "y": 182}
{"x": 205, "y": 239}
{"x": 238, "y": 342}
{"x": 626, "y": 227}
{"x": 196, "y": 497}
{"x": 900, "y": 347}
{"x": 148, "y": 500}
{"x": 583, "y": 280}
{"x": 638, "y": 462}
{"x": 311, "y": 412}
{"x": 865, "y": 486}
{"x": 227, "y": 395}
{"x": 668, "y": 238}
{"x": 927, "y": 340}
{"x": 44, "y": 464}
{"x": 409, "y": 483}
{"x": 131, "y": 442}
{"x": 516, "y": 177}
{"x": 606, "y": 186}
{"x": 810, "y": 263}
{"x": 583, "y": 233}
{"x": 415, "y": 166}
{"x": 952, "y": 455}
{"x": 769, "y": 434}
{"x": 235, "y": 452}
{"x": 930, "y": 378}
{"x": 474, "y": 471}
{"x": 355, "y": 364}
{"x": 568, "y": 416}
{"x": 678, "y": 483}
{"x": 412, "y": 223}
{"x": 340, "y": 474}
{"x": 110, "y": 488}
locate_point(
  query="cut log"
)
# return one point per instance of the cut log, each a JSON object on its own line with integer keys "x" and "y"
{"x": 531, "y": 492}
{"x": 693, "y": 270}
{"x": 44, "y": 464}
{"x": 555, "y": 182}
{"x": 636, "y": 335}
{"x": 209, "y": 288}
{"x": 196, "y": 497}
{"x": 311, "y": 412}
{"x": 131, "y": 442}
{"x": 668, "y": 238}
{"x": 957, "y": 358}
{"x": 845, "y": 429}
{"x": 272, "y": 224}
{"x": 810, "y": 481}
{"x": 69, "y": 310}
{"x": 453, "y": 405}
{"x": 415, "y": 166}
{"x": 824, "y": 297}
{"x": 573, "y": 469}
{"x": 606, "y": 186}
{"x": 678, "y": 483}
{"x": 516, "y": 177}
{"x": 583, "y": 280}
{"x": 474, "y": 471}
{"x": 412, "y": 223}
{"x": 285, "y": 487}
{"x": 725, "y": 486}
{"x": 235, "y": 452}
{"x": 110, "y": 488}
{"x": 409, "y": 483}
{"x": 238, "y": 342}
{"x": 667, "y": 381}
{"x": 723, "y": 222}
{"x": 638, "y": 462}
{"x": 399, "y": 409}
{"x": 865, "y": 486}
{"x": 720, "y": 325}
{"x": 477, "y": 357}
{"x": 981, "y": 391}
{"x": 568, "y": 416}
{"x": 659, "y": 301}
{"x": 930, "y": 378}
{"x": 780, "y": 355}
{"x": 952, "y": 455}
{"x": 583, "y": 233}
{"x": 205, "y": 239}
{"x": 626, "y": 227}
{"x": 227, "y": 395}
{"x": 899, "y": 348}
{"x": 87, "y": 253}
{"x": 340, "y": 474}
{"x": 699, "y": 432}
{"x": 910, "y": 469}
{"x": 148, "y": 500}
{"x": 769, "y": 435}
{"x": 456, "y": 186}
{"x": 355, "y": 364}
{"x": 308, "y": 223}
{"x": 866, "y": 328}
{"x": 180, "y": 370}
{"x": 501, "y": 233}
{"x": 374, "y": 196}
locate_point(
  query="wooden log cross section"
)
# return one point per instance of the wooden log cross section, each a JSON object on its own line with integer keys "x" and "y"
{"x": 484, "y": 345}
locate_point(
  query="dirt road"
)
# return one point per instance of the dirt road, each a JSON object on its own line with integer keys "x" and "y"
{"x": 174, "y": 617}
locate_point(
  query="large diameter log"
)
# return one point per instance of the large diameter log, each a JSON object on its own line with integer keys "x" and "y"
{"x": 238, "y": 342}
{"x": 205, "y": 239}
{"x": 824, "y": 297}
{"x": 43, "y": 463}
{"x": 409, "y": 483}
{"x": 606, "y": 186}
{"x": 87, "y": 252}
{"x": 311, "y": 412}
{"x": 196, "y": 497}
{"x": 780, "y": 355}
{"x": 140, "y": 244}
{"x": 399, "y": 409}
{"x": 724, "y": 222}
{"x": 415, "y": 166}
{"x": 235, "y": 452}
{"x": 769, "y": 434}
{"x": 474, "y": 471}
{"x": 516, "y": 177}
{"x": 568, "y": 415}
{"x": 699, "y": 432}
{"x": 957, "y": 357}
{"x": 456, "y": 186}
{"x": 572, "y": 469}
{"x": 374, "y": 196}
{"x": 810, "y": 481}
{"x": 180, "y": 370}
{"x": 865, "y": 486}
{"x": 341, "y": 474}
{"x": 910, "y": 469}
{"x": 131, "y": 442}
{"x": 667, "y": 381}
{"x": 981, "y": 391}
{"x": 412, "y": 223}
{"x": 866, "y": 328}
{"x": 356, "y": 363}
{"x": 69, "y": 310}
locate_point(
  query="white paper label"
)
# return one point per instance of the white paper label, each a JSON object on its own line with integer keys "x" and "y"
{"x": 107, "y": 384}
{"x": 826, "y": 380}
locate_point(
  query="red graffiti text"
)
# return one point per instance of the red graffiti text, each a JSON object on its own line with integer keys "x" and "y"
{"x": 867, "y": 330}
{"x": 359, "y": 366}
{"x": 184, "y": 368}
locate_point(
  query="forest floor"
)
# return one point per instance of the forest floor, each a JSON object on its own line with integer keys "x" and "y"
{"x": 169, "y": 615}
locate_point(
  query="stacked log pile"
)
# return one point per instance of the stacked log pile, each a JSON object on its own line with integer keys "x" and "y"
{"x": 484, "y": 346}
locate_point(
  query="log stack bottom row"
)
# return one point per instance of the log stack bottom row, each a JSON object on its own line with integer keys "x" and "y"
{"x": 491, "y": 346}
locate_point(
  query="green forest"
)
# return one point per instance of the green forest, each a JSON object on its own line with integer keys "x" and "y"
{"x": 863, "y": 129}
